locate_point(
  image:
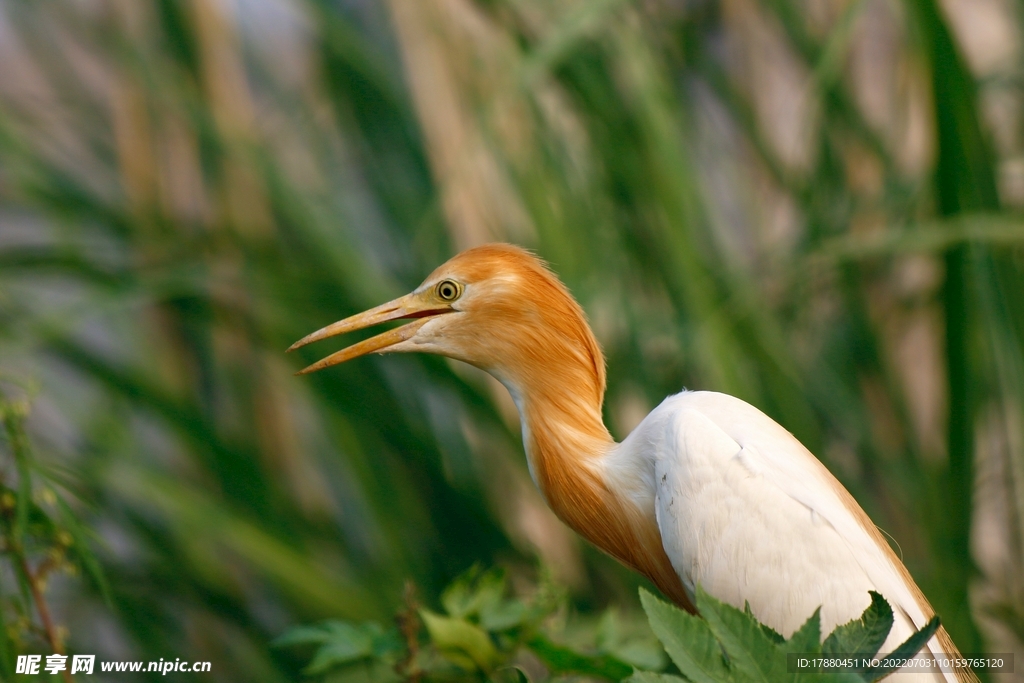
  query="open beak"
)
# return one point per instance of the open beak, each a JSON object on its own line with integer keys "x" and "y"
{"x": 408, "y": 306}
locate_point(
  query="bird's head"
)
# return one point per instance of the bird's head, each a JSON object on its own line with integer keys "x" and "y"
{"x": 496, "y": 307}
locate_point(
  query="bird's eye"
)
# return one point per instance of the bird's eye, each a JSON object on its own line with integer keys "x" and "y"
{"x": 448, "y": 290}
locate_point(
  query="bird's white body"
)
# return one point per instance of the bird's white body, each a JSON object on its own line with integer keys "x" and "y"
{"x": 740, "y": 503}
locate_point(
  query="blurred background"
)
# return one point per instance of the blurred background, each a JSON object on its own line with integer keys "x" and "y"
{"x": 815, "y": 205}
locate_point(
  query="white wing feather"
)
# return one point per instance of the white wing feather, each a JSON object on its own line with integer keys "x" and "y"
{"x": 747, "y": 512}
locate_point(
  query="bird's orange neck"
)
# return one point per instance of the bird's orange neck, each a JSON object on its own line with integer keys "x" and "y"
{"x": 566, "y": 442}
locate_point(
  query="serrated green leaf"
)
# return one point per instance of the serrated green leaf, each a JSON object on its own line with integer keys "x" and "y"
{"x": 687, "y": 639}
{"x": 772, "y": 634}
{"x": 751, "y": 653}
{"x": 806, "y": 639}
{"x": 863, "y": 635}
{"x": 458, "y": 640}
{"x": 910, "y": 647}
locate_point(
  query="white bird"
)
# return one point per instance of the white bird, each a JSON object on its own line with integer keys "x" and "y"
{"x": 706, "y": 490}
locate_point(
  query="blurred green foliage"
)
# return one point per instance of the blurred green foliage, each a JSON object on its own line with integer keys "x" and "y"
{"x": 187, "y": 187}
{"x": 40, "y": 538}
{"x": 487, "y": 635}
{"x": 482, "y": 632}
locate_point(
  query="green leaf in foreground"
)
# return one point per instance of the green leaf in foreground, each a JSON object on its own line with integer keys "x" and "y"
{"x": 910, "y": 647}
{"x": 479, "y": 596}
{"x": 728, "y": 645}
{"x": 460, "y": 641}
{"x": 772, "y": 634}
{"x": 806, "y": 639}
{"x": 865, "y": 634}
{"x": 688, "y": 640}
{"x": 752, "y": 654}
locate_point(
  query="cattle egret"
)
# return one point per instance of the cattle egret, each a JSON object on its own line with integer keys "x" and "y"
{"x": 706, "y": 490}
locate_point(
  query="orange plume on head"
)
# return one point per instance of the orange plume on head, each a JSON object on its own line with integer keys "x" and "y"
{"x": 525, "y": 306}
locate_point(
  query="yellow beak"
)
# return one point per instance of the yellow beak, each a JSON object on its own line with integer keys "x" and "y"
{"x": 412, "y": 305}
